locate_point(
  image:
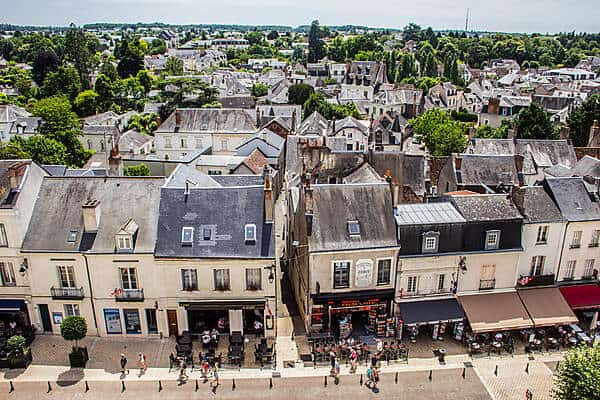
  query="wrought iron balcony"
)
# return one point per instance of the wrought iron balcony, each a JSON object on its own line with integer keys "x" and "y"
{"x": 486, "y": 284}
{"x": 66, "y": 293}
{"x": 130, "y": 295}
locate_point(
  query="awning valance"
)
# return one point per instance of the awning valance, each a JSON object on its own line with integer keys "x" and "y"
{"x": 11, "y": 306}
{"x": 431, "y": 311}
{"x": 495, "y": 312}
{"x": 547, "y": 307}
{"x": 581, "y": 297}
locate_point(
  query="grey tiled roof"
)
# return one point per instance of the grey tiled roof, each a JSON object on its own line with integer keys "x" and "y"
{"x": 572, "y": 198}
{"x": 486, "y": 207}
{"x": 535, "y": 205}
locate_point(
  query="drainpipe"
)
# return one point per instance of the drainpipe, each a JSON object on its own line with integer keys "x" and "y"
{"x": 87, "y": 270}
{"x": 562, "y": 249}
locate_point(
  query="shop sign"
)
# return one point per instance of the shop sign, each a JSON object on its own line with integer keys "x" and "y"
{"x": 364, "y": 273}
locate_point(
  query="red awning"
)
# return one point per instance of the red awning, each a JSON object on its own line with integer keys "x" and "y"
{"x": 581, "y": 297}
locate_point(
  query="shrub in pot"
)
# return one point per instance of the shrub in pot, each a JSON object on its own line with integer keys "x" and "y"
{"x": 74, "y": 329}
{"x": 18, "y": 353}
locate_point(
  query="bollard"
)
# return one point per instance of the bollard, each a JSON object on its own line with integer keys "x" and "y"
{"x": 123, "y": 386}
{"x": 197, "y": 385}
{"x": 464, "y": 374}
{"x": 361, "y": 380}
{"x": 430, "y": 374}
{"x": 159, "y": 386}
{"x": 396, "y": 378}
{"x": 87, "y": 387}
{"x": 12, "y": 388}
{"x": 496, "y": 370}
{"x": 527, "y": 368}
{"x": 557, "y": 364}
{"x": 49, "y": 387}
{"x": 325, "y": 382}
{"x": 270, "y": 383}
{"x": 233, "y": 385}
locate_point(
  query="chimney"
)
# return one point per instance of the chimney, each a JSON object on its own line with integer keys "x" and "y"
{"x": 457, "y": 162}
{"x": 158, "y": 120}
{"x": 519, "y": 163}
{"x": 471, "y": 132}
{"x": 257, "y": 117}
{"x": 594, "y": 140}
{"x": 565, "y": 131}
{"x": 177, "y": 120}
{"x": 308, "y": 202}
{"x": 91, "y": 215}
{"x": 15, "y": 174}
{"x": 115, "y": 167}
{"x": 512, "y": 134}
{"x": 395, "y": 192}
{"x": 333, "y": 126}
{"x": 493, "y": 105}
{"x": 294, "y": 121}
{"x": 268, "y": 194}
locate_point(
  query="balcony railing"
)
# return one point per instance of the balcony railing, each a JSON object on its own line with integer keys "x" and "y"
{"x": 65, "y": 293}
{"x": 486, "y": 284}
{"x": 130, "y": 295}
{"x": 424, "y": 292}
{"x": 535, "y": 280}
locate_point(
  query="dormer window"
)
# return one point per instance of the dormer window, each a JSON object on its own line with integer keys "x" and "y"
{"x": 72, "y": 236}
{"x": 124, "y": 242}
{"x": 353, "y": 228}
{"x": 430, "y": 242}
{"x": 207, "y": 234}
{"x": 492, "y": 240}
{"x": 187, "y": 236}
{"x": 250, "y": 233}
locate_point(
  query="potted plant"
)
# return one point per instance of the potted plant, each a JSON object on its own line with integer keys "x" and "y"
{"x": 19, "y": 355}
{"x": 74, "y": 328}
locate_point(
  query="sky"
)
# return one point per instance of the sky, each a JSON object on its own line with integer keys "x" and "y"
{"x": 508, "y": 15}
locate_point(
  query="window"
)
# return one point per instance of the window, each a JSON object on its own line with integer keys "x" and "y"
{"x": 353, "y": 228}
{"x": 488, "y": 277}
{"x": 349, "y": 136}
{"x": 183, "y": 143}
{"x": 595, "y": 238}
{"x": 254, "y": 279}
{"x": 588, "y": 268}
{"x": 384, "y": 268}
{"x": 250, "y": 232}
{"x": 66, "y": 276}
{"x": 187, "y": 235}
{"x": 430, "y": 242}
{"x": 151, "y": 320}
{"x": 72, "y": 236}
{"x": 341, "y": 274}
{"x": 412, "y": 284}
{"x": 3, "y": 239}
{"x": 189, "y": 279}
{"x": 198, "y": 143}
{"x": 349, "y": 147}
{"x": 576, "y": 242}
{"x": 206, "y": 233}
{"x": 492, "y": 239}
{"x": 168, "y": 144}
{"x": 128, "y": 278}
{"x": 222, "y": 279}
{"x": 224, "y": 145}
{"x": 132, "y": 321}
{"x": 441, "y": 282}
{"x": 124, "y": 242}
{"x": 570, "y": 271}
{"x": 7, "y": 274}
{"x": 537, "y": 265}
{"x": 542, "y": 234}
{"x": 71, "y": 310}
{"x": 215, "y": 172}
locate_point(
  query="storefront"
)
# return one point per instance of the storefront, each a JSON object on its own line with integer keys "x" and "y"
{"x": 547, "y": 307}
{"x": 437, "y": 318}
{"x": 357, "y": 314}
{"x": 495, "y": 312}
{"x": 253, "y": 317}
{"x": 584, "y": 300}
{"x": 14, "y": 311}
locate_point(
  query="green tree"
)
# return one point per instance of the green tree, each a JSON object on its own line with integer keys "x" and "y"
{"x": 578, "y": 376}
{"x": 143, "y": 123}
{"x": 131, "y": 58}
{"x": 315, "y": 43}
{"x": 259, "y": 89}
{"x": 441, "y": 134}
{"x": 255, "y": 37}
{"x": 412, "y": 31}
{"x": 137, "y": 170}
{"x": 13, "y": 151}
{"x": 581, "y": 119}
{"x": 534, "y": 123}
{"x": 44, "y": 150}
{"x": 45, "y": 61}
{"x": 317, "y": 102}
{"x": 174, "y": 66}
{"x": 104, "y": 88}
{"x": 73, "y": 328}
{"x": 86, "y": 103}
{"x": 273, "y": 35}
{"x": 299, "y": 93}
{"x": 426, "y": 57}
{"x": 144, "y": 78}
{"x": 79, "y": 48}
{"x": 487, "y": 132}
{"x": 17, "y": 345}
{"x": 158, "y": 46}
{"x": 407, "y": 67}
{"x": 62, "y": 125}
{"x": 64, "y": 80}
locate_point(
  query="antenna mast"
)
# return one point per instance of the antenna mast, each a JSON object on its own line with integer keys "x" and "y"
{"x": 467, "y": 21}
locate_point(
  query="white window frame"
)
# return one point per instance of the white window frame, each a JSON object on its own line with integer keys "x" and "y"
{"x": 570, "y": 269}
{"x": 250, "y": 237}
{"x": 71, "y": 310}
{"x": 353, "y": 223}
{"x": 389, "y": 280}
{"x": 595, "y": 242}
{"x": 412, "y": 282}
{"x": 226, "y": 283}
{"x": 496, "y": 243}
{"x": 7, "y": 274}
{"x": 190, "y": 230}
{"x": 124, "y": 242}
{"x": 576, "y": 239}
{"x": 588, "y": 267}
{"x": 69, "y": 274}
{"x": 258, "y": 273}
{"x": 189, "y": 275}
{"x": 3, "y": 237}
{"x": 441, "y": 282}
{"x": 537, "y": 265}
{"x": 333, "y": 268}
{"x": 542, "y": 234}
{"x": 168, "y": 144}
{"x": 131, "y": 282}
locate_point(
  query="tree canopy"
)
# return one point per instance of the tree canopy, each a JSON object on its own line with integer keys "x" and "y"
{"x": 441, "y": 134}
{"x": 578, "y": 376}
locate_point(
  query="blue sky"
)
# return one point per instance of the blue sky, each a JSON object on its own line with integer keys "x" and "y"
{"x": 508, "y": 15}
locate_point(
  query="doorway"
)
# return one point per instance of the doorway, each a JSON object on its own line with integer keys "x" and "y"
{"x": 45, "y": 316}
{"x": 172, "y": 321}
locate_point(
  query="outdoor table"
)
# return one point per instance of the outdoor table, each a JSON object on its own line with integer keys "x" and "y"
{"x": 575, "y": 328}
{"x": 498, "y": 337}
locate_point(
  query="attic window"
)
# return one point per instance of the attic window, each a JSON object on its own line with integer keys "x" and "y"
{"x": 206, "y": 233}
{"x": 250, "y": 233}
{"x": 492, "y": 239}
{"x": 124, "y": 242}
{"x": 72, "y": 236}
{"x": 187, "y": 235}
{"x": 353, "y": 228}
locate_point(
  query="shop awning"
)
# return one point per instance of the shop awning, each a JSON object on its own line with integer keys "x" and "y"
{"x": 208, "y": 305}
{"x": 11, "y": 306}
{"x": 383, "y": 295}
{"x": 581, "y": 297}
{"x": 431, "y": 311}
{"x": 495, "y": 312}
{"x": 547, "y": 307}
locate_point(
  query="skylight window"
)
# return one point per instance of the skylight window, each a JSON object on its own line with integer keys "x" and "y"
{"x": 187, "y": 235}
{"x": 72, "y": 236}
{"x": 354, "y": 228}
{"x": 207, "y": 233}
{"x": 250, "y": 232}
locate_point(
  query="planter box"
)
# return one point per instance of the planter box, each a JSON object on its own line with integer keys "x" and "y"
{"x": 20, "y": 362}
{"x": 78, "y": 357}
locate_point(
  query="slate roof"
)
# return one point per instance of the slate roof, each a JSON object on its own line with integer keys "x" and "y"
{"x": 314, "y": 124}
{"x": 364, "y": 174}
{"x": 269, "y": 143}
{"x": 488, "y": 170}
{"x": 223, "y": 210}
{"x": 10, "y": 112}
{"x": 335, "y": 205}
{"x": 535, "y": 205}
{"x": 100, "y": 130}
{"x": 486, "y": 207}
{"x": 427, "y": 213}
{"x": 572, "y": 198}
{"x": 350, "y": 123}
{"x": 58, "y": 210}
{"x": 133, "y": 140}
{"x": 210, "y": 120}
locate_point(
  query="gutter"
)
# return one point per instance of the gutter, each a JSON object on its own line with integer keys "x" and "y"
{"x": 87, "y": 270}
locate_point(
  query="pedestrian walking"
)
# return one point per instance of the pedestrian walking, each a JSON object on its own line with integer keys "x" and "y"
{"x": 353, "y": 360}
{"x": 142, "y": 362}
{"x": 369, "y": 381}
{"x": 215, "y": 373}
{"x": 183, "y": 376}
{"x": 332, "y": 360}
{"x": 124, "y": 369}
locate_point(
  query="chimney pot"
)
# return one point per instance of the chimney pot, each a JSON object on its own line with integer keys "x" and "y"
{"x": 268, "y": 194}
{"x": 177, "y": 119}
{"x": 457, "y": 162}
